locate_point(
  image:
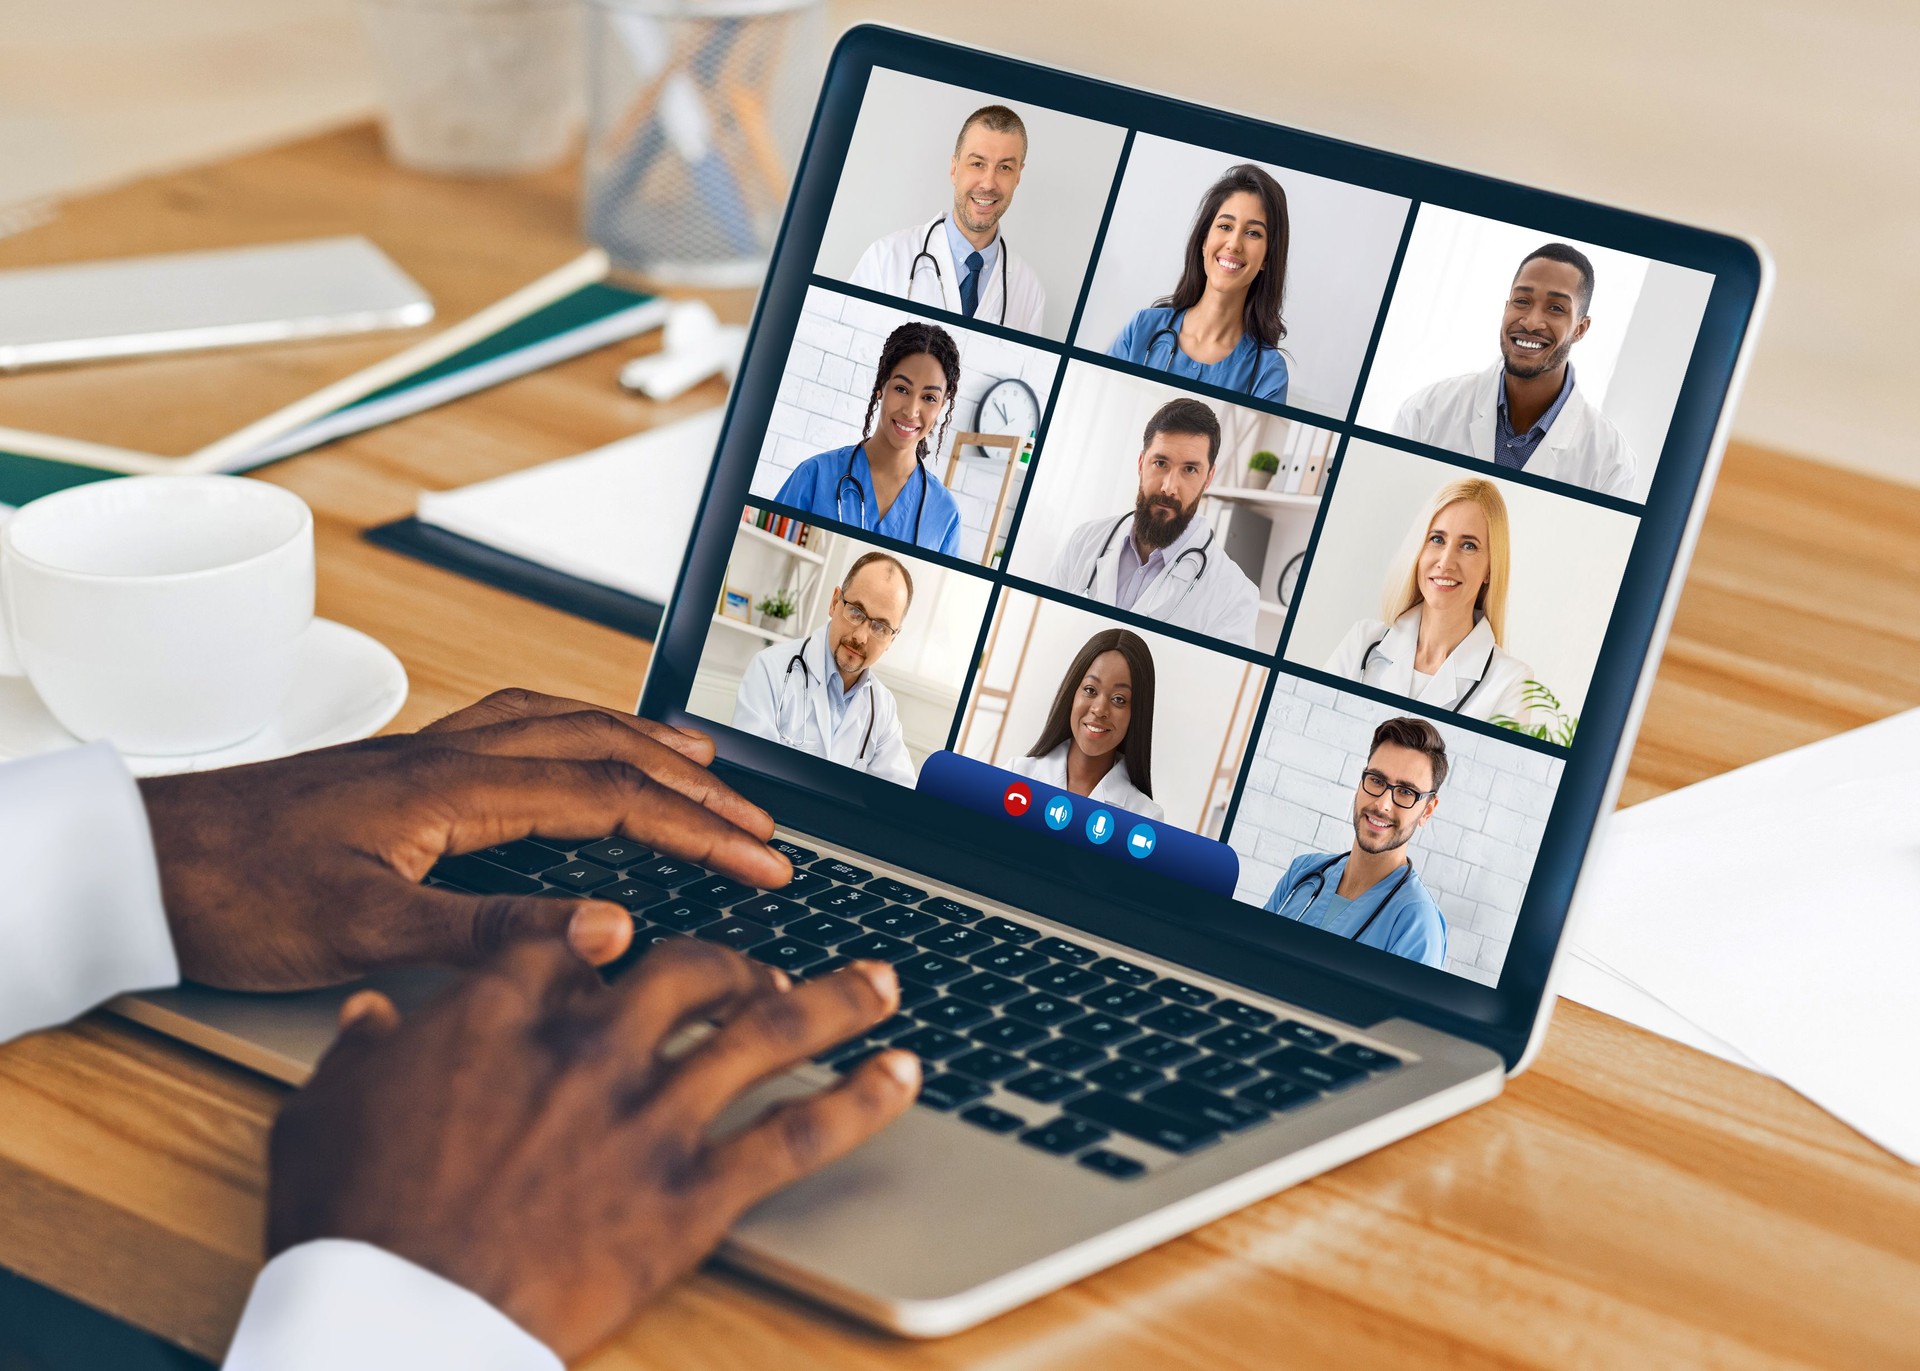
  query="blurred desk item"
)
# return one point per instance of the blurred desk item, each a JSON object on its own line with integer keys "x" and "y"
{"x": 1627, "y": 1202}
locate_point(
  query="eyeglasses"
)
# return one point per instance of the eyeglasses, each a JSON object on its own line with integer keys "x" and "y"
{"x": 857, "y": 616}
{"x": 1405, "y": 796}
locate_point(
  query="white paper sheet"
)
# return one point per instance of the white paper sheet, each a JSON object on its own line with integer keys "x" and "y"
{"x": 1777, "y": 907}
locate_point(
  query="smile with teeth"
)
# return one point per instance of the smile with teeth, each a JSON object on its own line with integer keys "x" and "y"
{"x": 1442, "y": 583}
{"x": 1375, "y": 822}
{"x": 1526, "y": 344}
{"x": 904, "y": 429}
{"x": 1226, "y": 263}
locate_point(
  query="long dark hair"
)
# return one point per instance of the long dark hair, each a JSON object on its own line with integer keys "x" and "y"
{"x": 1261, "y": 313}
{"x": 1136, "y": 749}
{"x": 910, "y": 340}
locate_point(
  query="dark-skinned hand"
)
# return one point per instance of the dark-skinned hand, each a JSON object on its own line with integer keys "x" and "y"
{"x": 524, "y": 1137}
{"x": 306, "y": 871}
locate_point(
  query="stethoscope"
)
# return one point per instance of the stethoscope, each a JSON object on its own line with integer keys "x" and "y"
{"x": 860, "y": 497}
{"x": 1458, "y": 704}
{"x": 913, "y": 271}
{"x": 806, "y": 675}
{"x": 1172, "y": 335}
{"x": 1174, "y": 570}
{"x": 1319, "y": 874}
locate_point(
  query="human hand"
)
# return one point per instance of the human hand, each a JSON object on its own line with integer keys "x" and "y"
{"x": 305, "y": 871}
{"x": 523, "y": 1136}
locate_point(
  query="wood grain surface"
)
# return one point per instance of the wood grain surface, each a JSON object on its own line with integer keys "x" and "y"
{"x": 1627, "y": 1203}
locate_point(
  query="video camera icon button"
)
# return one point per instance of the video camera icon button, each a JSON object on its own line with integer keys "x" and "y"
{"x": 1142, "y": 840}
{"x": 1100, "y": 826}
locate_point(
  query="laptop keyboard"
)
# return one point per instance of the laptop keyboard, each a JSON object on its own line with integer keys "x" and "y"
{"x": 1051, "y": 1043}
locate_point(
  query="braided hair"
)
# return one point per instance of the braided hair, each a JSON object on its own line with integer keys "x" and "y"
{"x": 910, "y": 340}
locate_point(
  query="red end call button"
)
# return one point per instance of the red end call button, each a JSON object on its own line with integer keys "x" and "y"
{"x": 1017, "y": 799}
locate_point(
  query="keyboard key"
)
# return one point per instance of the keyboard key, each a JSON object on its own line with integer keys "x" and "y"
{"x": 768, "y": 909}
{"x": 1100, "y": 1030}
{"x": 1305, "y": 1035}
{"x": 1277, "y": 1093}
{"x": 826, "y": 968}
{"x": 833, "y": 868}
{"x": 1064, "y": 1054}
{"x": 793, "y": 852}
{"x": 1243, "y": 1014}
{"x": 1044, "y": 1086}
{"x": 1007, "y": 930}
{"x": 1154, "y": 1050}
{"x": 993, "y": 1120}
{"x": 1062, "y": 950}
{"x": 1310, "y": 1068}
{"x": 529, "y": 859}
{"x": 579, "y": 876}
{"x": 1115, "y": 969}
{"x": 789, "y": 954}
{"x": 669, "y": 873}
{"x": 1184, "y": 1097}
{"x": 1353, "y": 1054}
{"x": 718, "y": 891}
{"x": 738, "y": 934}
{"x": 1112, "y": 1164}
{"x": 950, "y": 1091}
{"x": 805, "y": 883}
{"x": 879, "y": 946}
{"x": 823, "y": 929}
{"x": 901, "y": 923}
{"x": 1009, "y": 1035}
{"x": 1178, "y": 1020}
{"x": 898, "y": 891}
{"x": 948, "y": 1012}
{"x": 621, "y": 852}
{"x": 845, "y": 901}
{"x": 845, "y": 1062}
{"x": 682, "y": 916}
{"x": 1063, "y": 1136}
{"x": 632, "y": 894}
{"x": 1217, "y": 1072}
{"x": 482, "y": 878}
{"x": 987, "y": 1064}
{"x": 955, "y": 942}
{"x": 1062, "y": 980}
{"x": 930, "y": 968}
{"x": 932, "y": 1044}
{"x": 1238, "y": 1042}
{"x": 1182, "y": 992}
{"x": 988, "y": 989}
{"x": 893, "y": 1027}
{"x": 1174, "y": 1132}
{"x": 1123, "y": 1000}
{"x": 1045, "y": 1010}
{"x": 951, "y": 909}
{"x": 1005, "y": 960}
{"x": 1125, "y": 1077}
{"x": 913, "y": 994}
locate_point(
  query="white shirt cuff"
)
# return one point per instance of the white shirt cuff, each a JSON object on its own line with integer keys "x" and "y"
{"x": 81, "y": 920}
{"x": 334, "y": 1304}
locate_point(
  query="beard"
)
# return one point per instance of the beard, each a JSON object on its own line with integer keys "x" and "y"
{"x": 1152, "y": 532}
{"x": 1548, "y": 360}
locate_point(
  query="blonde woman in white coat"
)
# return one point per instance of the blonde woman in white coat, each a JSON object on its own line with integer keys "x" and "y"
{"x": 1441, "y": 640}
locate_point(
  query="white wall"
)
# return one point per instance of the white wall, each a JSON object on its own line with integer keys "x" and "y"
{"x": 896, "y": 175}
{"x": 1566, "y": 560}
{"x": 1342, "y": 241}
{"x": 1476, "y": 853}
{"x": 1194, "y": 693}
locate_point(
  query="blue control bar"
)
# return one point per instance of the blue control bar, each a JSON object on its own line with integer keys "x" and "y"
{"x": 1119, "y": 834}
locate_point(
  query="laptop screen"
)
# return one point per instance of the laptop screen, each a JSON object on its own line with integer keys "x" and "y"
{"x": 1213, "y": 501}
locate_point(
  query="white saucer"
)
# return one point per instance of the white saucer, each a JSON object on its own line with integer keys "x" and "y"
{"x": 345, "y": 686}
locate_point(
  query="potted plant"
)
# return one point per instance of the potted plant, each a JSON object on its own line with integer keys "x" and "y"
{"x": 1260, "y": 469}
{"x": 1550, "y": 721}
{"x": 775, "y": 609}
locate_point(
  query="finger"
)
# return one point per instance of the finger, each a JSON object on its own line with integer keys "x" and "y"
{"x": 516, "y": 703}
{"x": 797, "y": 1138}
{"x": 684, "y": 982}
{"x": 381, "y": 1014}
{"x": 367, "y": 1019}
{"x": 441, "y": 925}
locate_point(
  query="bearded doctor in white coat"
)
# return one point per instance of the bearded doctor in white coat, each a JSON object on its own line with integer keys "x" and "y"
{"x": 1163, "y": 559}
{"x": 820, "y": 695}
{"x": 933, "y": 262}
{"x": 1525, "y": 411}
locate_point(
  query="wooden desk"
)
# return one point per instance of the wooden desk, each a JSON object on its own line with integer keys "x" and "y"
{"x": 1628, "y": 1202}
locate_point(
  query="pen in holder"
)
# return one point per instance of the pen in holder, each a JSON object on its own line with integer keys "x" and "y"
{"x": 696, "y": 111}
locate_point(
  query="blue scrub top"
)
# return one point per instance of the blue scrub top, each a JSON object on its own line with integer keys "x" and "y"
{"x": 816, "y": 486}
{"x": 1249, "y": 368}
{"x": 1410, "y": 926}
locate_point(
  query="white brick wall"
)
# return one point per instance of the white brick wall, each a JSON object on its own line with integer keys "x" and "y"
{"x": 829, "y": 378}
{"x": 1475, "y": 854}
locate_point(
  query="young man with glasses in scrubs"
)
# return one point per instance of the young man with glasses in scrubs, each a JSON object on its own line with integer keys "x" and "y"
{"x": 1371, "y": 893}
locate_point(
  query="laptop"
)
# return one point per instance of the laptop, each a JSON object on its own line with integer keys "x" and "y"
{"x": 1203, "y": 873}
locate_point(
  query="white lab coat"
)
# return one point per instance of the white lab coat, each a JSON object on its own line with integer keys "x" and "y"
{"x": 777, "y": 699}
{"x": 1116, "y": 787}
{"x": 1460, "y": 414}
{"x": 1218, "y": 600}
{"x": 888, "y": 265}
{"x": 1501, "y": 676}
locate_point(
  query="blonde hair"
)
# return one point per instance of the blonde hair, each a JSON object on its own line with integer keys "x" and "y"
{"x": 1403, "y": 578}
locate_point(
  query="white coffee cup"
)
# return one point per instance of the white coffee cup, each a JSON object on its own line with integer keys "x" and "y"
{"x": 159, "y": 612}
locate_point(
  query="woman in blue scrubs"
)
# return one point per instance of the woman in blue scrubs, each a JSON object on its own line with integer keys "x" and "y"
{"x": 1222, "y": 324}
{"x": 882, "y": 483}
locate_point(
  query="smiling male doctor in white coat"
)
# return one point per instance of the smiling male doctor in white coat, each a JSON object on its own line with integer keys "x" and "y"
{"x": 820, "y": 695}
{"x": 960, "y": 261}
{"x": 1163, "y": 559}
{"x": 1525, "y": 411}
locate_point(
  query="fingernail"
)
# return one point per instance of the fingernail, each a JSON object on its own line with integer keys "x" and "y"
{"x": 781, "y": 981}
{"x": 358, "y": 1005}
{"x": 599, "y": 932}
{"x": 904, "y": 1067}
{"x": 880, "y": 975}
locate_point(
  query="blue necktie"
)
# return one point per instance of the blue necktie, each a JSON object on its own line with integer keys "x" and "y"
{"x": 970, "y": 285}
